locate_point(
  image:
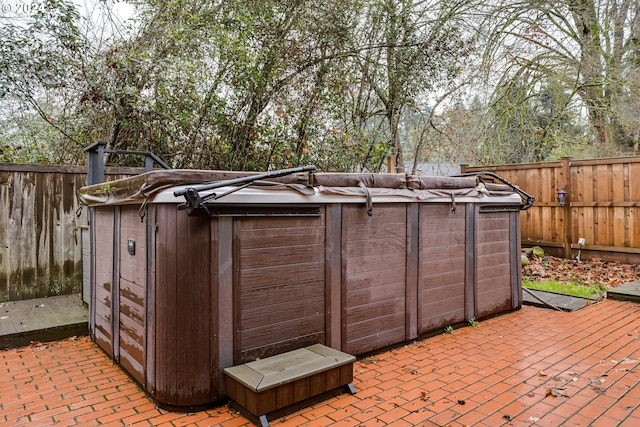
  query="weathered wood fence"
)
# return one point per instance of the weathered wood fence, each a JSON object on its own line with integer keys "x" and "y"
{"x": 602, "y": 206}
{"x": 41, "y": 229}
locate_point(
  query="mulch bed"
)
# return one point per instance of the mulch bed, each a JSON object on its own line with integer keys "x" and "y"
{"x": 609, "y": 274}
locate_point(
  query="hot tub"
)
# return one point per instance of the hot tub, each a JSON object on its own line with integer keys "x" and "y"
{"x": 188, "y": 280}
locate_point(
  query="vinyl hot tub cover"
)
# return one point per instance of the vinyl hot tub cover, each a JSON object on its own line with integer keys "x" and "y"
{"x": 304, "y": 185}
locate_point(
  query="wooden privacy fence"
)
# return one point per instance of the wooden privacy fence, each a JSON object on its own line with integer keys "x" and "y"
{"x": 602, "y": 206}
{"x": 40, "y": 233}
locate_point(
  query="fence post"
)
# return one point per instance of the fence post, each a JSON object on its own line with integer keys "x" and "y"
{"x": 567, "y": 211}
{"x": 95, "y": 163}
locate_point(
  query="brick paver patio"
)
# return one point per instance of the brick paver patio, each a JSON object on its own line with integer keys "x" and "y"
{"x": 531, "y": 367}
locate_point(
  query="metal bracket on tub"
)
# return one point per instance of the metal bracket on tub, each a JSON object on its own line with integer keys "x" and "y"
{"x": 193, "y": 199}
{"x": 527, "y": 199}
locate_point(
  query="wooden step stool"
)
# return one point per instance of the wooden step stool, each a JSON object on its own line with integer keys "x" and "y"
{"x": 270, "y": 384}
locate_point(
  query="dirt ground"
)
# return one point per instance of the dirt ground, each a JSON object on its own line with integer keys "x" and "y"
{"x": 610, "y": 274}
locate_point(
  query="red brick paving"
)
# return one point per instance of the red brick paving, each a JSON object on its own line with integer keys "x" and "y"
{"x": 503, "y": 372}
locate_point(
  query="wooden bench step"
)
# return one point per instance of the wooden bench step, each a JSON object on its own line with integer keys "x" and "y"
{"x": 270, "y": 384}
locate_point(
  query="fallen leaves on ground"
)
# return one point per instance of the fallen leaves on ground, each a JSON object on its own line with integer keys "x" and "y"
{"x": 606, "y": 273}
{"x": 556, "y": 392}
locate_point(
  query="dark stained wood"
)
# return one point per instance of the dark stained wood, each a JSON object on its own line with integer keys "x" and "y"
{"x": 274, "y": 337}
{"x": 115, "y": 289}
{"x": 413, "y": 271}
{"x": 194, "y": 255}
{"x": 317, "y": 383}
{"x": 493, "y": 264}
{"x": 104, "y": 222}
{"x": 374, "y": 268}
{"x": 516, "y": 260}
{"x": 301, "y": 389}
{"x": 333, "y": 273}
{"x": 279, "y": 261}
{"x": 165, "y": 321}
{"x": 183, "y": 309}
{"x": 284, "y": 395}
{"x": 222, "y": 298}
{"x": 132, "y": 304}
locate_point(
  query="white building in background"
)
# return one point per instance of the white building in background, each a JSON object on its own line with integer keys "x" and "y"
{"x": 434, "y": 168}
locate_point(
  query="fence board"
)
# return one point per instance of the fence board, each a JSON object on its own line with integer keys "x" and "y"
{"x": 618, "y": 183}
{"x": 603, "y": 197}
{"x": 40, "y": 233}
{"x": 634, "y": 182}
{"x": 634, "y": 229}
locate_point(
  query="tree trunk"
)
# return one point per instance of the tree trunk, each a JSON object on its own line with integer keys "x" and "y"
{"x": 394, "y": 120}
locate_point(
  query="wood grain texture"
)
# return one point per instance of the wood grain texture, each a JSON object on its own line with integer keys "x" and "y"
{"x": 279, "y": 262}
{"x": 132, "y": 290}
{"x": 183, "y": 319}
{"x": 442, "y": 266}
{"x": 374, "y": 268}
{"x": 493, "y": 264}
{"x": 102, "y": 304}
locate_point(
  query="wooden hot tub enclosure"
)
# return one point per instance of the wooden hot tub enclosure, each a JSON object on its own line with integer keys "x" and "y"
{"x": 186, "y": 282}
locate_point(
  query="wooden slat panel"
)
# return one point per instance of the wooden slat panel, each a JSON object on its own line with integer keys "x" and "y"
{"x": 132, "y": 348}
{"x": 634, "y": 228}
{"x": 293, "y": 273}
{"x": 194, "y": 302}
{"x": 165, "y": 325}
{"x": 102, "y": 304}
{"x": 132, "y": 302}
{"x": 132, "y": 293}
{"x": 279, "y": 235}
{"x": 634, "y": 182}
{"x": 442, "y": 267}
{"x": 587, "y": 184}
{"x": 183, "y": 306}
{"x": 618, "y": 183}
{"x": 544, "y": 185}
{"x": 279, "y": 263}
{"x": 6, "y": 197}
{"x": 603, "y": 224}
{"x": 276, "y": 337}
{"x": 281, "y": 256}
{"x": 493, "y": 267}
{"x": 374, "y": 266}
{"x": 279, "y": 311}
{"x": 547, "y": 224}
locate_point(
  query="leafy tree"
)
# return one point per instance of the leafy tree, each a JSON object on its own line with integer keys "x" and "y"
{"x": 34, "y": 78}
{"x": 584, "y": 45}
{"x": 413, "y": 47}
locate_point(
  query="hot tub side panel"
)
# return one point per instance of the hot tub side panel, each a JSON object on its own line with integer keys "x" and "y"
{"x": 132, "y": 291}
{"x": 185, "y": 315}
{"x": 442, "y": 278}
{"x": 374, "y": 260}
{"x": 279, "y": 285}
{"x": 101, "y": 306}
{"x": 493, "y": 263}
